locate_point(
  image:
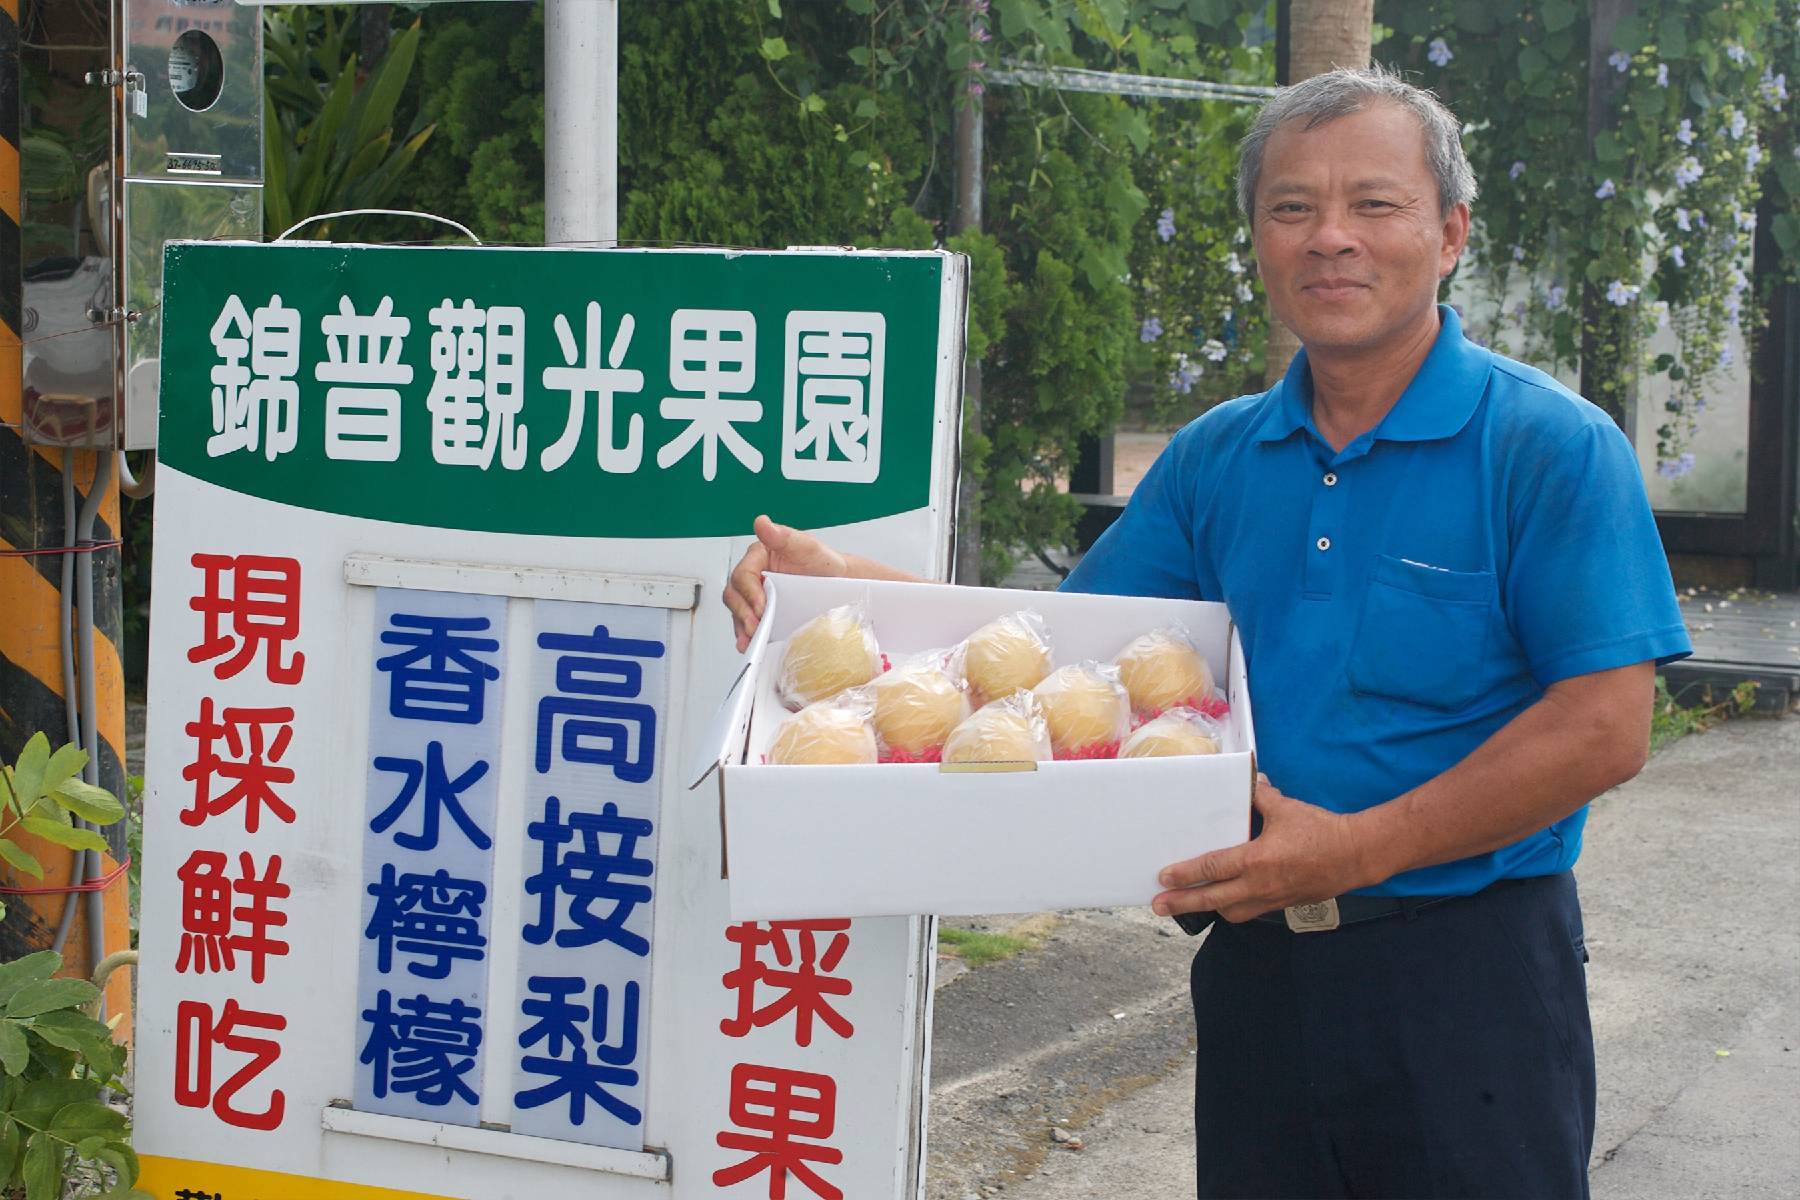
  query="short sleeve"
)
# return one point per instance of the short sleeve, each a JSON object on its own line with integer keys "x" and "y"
{"x": 1588, "y": 585}
{"x": 1149, "y": 550}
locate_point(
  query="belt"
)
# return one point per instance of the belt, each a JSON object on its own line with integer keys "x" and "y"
{"x": 1347, "y": 910}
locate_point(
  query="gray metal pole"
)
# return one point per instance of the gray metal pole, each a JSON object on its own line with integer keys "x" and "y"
{"x": 967, "y": 219}
{"x": 581, "y": 121}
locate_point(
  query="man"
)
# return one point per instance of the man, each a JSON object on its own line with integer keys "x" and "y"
{"x": 1452, "y": 600}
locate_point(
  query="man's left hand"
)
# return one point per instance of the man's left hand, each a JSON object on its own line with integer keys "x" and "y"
{"x": 1303, "y": 855}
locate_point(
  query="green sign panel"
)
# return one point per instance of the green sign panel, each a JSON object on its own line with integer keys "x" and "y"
{"x": 626, "y": 394}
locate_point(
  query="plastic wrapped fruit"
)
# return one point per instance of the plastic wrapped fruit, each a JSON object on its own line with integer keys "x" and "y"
{"x": 826, "y": 732}
{"x": 917, "y": 705}
{"x": 1086, "y": 709}
{"x": 1162, "y": 668}
{"x": 1178, "y": 731}
{"x": 1007, "y": 655}
{"x": 834, "y": 651}
{"x": 1010, "y": 729}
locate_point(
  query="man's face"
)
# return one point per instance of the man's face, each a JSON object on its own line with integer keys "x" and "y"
{"x": 1349, "y": 239}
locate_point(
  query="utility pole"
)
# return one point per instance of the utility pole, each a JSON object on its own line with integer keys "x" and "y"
{"x": 581, "y": 121}
{"x": 970, "y": 109}
{"x": 1313, "y": 37}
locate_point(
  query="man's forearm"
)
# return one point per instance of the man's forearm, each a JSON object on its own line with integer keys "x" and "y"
{"x": 1583, "y": 737}
{"x": 856, "y": 566}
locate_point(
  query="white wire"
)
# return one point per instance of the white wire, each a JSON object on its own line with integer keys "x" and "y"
{"x": 1080, "y": 79}
{"x": 382, "y": 212}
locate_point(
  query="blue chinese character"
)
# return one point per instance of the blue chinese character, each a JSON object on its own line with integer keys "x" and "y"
{"x": 426, "y": 1049}
{"x": 440, "y": 794}
{"x": 437, "y": 677}
{"x": 586, "y": 673}
{"x": 430, "y": 916}
{"x": 570, "y": 1070}
{"x": 586, "y": 874}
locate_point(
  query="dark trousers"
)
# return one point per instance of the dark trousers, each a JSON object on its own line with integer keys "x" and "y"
{"x": 1441, "y": 1053}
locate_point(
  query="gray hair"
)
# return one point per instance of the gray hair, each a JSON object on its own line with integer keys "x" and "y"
{"x": 1339, "y": 93}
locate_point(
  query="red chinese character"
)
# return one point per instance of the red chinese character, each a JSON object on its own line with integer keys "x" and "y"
{"x": 208, "y": 940}
{"x": 783, "y": 1105}
{"x": 804, "y": 979}
{"x": 251, "y": 768}
{"x": 197, "y": 1032}
{"x": 264, "y": 607}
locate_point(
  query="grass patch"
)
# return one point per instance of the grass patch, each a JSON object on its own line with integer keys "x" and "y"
{"x": 1670, "y": 720}
{"x": 980, "y": 949}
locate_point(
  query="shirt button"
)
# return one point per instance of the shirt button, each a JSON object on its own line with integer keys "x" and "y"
{"x": 1331, "y": 479}
{"x": 1323, "y": 543}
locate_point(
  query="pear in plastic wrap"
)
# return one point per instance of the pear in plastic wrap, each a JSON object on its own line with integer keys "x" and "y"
{"x": 825, "y": 733}
{"x": 834, "y": 651}
{"x": 1006, "y": 655}
{"x": 1010, "y": 729}
{"x": 1162, "y": 668}
{"x": 1085, "y": 707}
{"x": 1179, "y": 731}
{"x": 917, "y": 705}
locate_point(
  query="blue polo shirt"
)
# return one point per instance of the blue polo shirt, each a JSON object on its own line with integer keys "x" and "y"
{"x": 1402, "y": 599}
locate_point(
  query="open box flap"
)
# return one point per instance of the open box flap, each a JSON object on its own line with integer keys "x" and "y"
{"x": 725, "y": 733}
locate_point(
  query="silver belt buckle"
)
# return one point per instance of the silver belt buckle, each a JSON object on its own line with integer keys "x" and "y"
{"x": 1312, "y": 918}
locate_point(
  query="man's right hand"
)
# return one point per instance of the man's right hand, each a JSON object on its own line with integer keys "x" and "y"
{"x": 777, "y": 548}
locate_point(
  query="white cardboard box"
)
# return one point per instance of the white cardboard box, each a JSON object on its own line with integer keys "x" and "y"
{"x": 903, "y": 838}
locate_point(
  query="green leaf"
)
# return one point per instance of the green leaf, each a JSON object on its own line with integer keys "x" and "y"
{"x": 860, "y": 55}
{"x": 29, "y": 969}
{"x": 43, "y": 1168}
{"x": 861, "y": 8}
{"x": 1786, "y": 231}
{"x": 1628, "y": 34}
{"x": 775, "y": 9}
{"x": 1532, "y": 62}
{"x": 814, "y": 103}
{"x": 46, "y": 994}
{"x": 1557, "y": 14}
{"x": 15, "y": 1051}
{"x": 52, "y": 830}
{"x": 1672, "y": 39}
{"x": 28, "y": 770}
{"x": 88, "y": 802}
{"x": 85, "y": 1118}
{"x": 20, "y": 860}
{"x": 867, "y": 109}
{"x": 64, "y": 765}
{"x": 774, "y": 49}
{"x": 383, "y": 91}
{"x": 9, "y": 1147}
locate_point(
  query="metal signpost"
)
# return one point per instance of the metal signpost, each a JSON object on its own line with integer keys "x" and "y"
{"x": 440, "y": 535}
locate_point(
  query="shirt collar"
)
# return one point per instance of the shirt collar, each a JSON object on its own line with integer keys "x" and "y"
{"x": 1436, "y": 404}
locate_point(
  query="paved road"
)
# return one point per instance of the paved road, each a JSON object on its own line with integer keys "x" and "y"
{"x": 1691, "y": 885}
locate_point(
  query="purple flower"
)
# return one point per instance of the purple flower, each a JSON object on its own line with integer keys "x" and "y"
{"x": 1684, "y": 132}
{"x": 1234, "y": 264}
{"x": 1517, "y": 169}
{"x": 1752, "y": 157}
{"x": 976, "y": 88}
{"x": 1739, "y": 123}
{"x": 1555, "y": 297}
{"x": 1606, "y": 191}
{"x": 1619, "y": 61}
{"x": 980, "y": 33}
{"x": 1774, "y": 87}
{"x": 1518, "y": 253}
{"x": 1662, "y": 75}
{"x": 1678, "y": 256}
{"x": 1675, "y": 468}
{"x": 1688, "y": 171}
{"x": 1621, "y": 293}
{"x": 1181, "y": 381}
{"x": 1150, "y": 330}
{"x": 1165, "y": 225}
{"x": 1214, "y": 350}
{"x": 1439, "y": 52}
{"x": 1682, "y": 222}
{"x": 1746, "y": 221}
{"x": 1725, "y": 356}
{"x": 1737, "y": 54}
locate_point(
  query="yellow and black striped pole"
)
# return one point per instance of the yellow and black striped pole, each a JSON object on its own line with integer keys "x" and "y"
{"x": 32, "y": 547}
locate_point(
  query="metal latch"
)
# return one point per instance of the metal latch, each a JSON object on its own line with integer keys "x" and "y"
{"x": 137, "y": 95}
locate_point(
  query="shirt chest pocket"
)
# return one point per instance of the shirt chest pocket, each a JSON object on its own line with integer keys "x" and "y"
{"x": 1424, "y": 633}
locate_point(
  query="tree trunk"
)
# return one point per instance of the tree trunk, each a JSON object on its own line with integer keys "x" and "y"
{"x": 1608, "y": 349}
{"x": 1322, "y": 35}
{"x": 375, "y": 29}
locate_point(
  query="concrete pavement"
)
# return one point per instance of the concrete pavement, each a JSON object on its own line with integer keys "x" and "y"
{"x": 1691, "y": 888}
